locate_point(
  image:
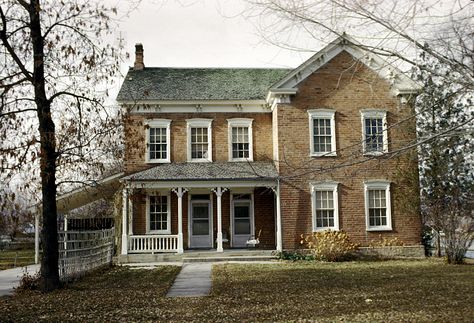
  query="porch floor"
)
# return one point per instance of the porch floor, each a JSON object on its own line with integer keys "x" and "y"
{"x": 199, "y": 256}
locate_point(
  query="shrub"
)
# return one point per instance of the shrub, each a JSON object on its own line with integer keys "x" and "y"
{"x": 293, "y": 256}
{"x": 329, "y": 245}
{"x": 28, "y": 282}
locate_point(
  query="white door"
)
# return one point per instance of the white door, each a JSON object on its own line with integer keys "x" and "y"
{"x": 200, "y": 224}
{"x": 242, "y": 222}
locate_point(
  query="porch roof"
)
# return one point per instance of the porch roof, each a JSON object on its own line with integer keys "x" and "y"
{"x": 213, "y": 171}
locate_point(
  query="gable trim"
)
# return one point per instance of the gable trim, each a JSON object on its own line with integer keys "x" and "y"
{"x": 401, "y": 84}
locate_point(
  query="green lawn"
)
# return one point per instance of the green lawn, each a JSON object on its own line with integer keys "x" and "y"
{"x": 416, "y": 291}
{"x": 16, "y": 258}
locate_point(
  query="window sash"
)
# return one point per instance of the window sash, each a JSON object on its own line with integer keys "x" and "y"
{"x": 322, "y": 135}
{"x": 199, "y": 142}
{"x": 158, "y": 213}
{"x": 325, "y": 209}
{"x": 374, "y": 134}
{"x": 377, "y": 207}
{"x": 157, "y": 143}
{"x": 240, "y": 142}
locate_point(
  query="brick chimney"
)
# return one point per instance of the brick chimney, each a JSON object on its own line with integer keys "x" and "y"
{"x": 139, "y": 65}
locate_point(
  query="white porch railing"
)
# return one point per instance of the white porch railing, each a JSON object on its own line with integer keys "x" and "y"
{"x": 152, "y": 243}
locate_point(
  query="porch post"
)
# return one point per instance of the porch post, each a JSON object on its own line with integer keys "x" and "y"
{"x": 219, "y": 191}
{"x": 279, "y": 245}
{"x": 180, "y": 192}
{"x": 124, "y": 221}
{"x": 37, "y": 236}
{"x": 130, "y": 213}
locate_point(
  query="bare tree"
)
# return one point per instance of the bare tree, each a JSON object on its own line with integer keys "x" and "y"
{"x": 14, "y": 215}
{"x": 57, "y": 59}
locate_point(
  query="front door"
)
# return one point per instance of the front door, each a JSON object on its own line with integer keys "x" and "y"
{"x": 242, "y": 222}
{"x": 200, "y": 224}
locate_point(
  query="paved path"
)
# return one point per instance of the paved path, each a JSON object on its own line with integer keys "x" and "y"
{"x": 10, "y": 278}
{"x": 194, "y": 280}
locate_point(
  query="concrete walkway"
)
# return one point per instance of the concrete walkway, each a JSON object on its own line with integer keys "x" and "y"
{"x": 194, "y": 280}
{"x": 10, "y": 278}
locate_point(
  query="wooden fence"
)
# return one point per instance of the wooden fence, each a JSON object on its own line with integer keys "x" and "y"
{"x": 81, "y": 251}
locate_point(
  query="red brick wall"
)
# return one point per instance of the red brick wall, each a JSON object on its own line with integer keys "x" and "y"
{"x": 135, "y": 136}
{"x": 347, "y": 87}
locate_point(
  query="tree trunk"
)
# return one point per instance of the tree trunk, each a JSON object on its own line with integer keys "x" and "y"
{"x": 49, "y": 233}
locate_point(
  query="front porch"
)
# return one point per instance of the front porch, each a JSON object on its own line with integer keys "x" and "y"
{"x": 164, "y": 216}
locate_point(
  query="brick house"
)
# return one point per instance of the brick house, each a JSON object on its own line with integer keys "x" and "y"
{"x": 217, "y": 156}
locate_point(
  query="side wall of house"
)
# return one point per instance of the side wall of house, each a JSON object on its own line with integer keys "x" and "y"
{"x": 346, "y": 86}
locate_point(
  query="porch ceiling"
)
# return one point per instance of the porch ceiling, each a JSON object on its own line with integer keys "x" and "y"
{"x": 215, "y": 171}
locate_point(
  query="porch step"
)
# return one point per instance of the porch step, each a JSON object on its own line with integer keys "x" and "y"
{"x": 228, "y": 258}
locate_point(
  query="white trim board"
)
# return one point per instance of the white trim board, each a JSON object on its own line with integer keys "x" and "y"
{"x": 200, "y": 184}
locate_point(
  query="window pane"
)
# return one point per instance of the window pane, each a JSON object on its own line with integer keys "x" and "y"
{"x": 200, "y": 227}
{"x": 241, "y": 211}
{"x": 242, "y": 226}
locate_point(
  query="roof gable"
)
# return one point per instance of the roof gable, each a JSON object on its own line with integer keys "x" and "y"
{"x": 401, "y": 84}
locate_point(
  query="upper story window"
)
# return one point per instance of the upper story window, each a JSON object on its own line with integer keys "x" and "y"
{"x": 322, "y": 128}
{"x": 325, "y": 206}
{"x": 240, "y": 139}
{"x": 374, "y": 132}
{"x": 199, "y": 140}
{"x": 158, "y": 214}
{"x": 377, "y": 205}
{"x": 157, "y": 141}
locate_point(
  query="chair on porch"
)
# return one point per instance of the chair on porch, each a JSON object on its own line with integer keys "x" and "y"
{"x": 254, "y": 241}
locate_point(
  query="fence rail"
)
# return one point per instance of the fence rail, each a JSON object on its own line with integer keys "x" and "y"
{"x": 81, "y": 251}
{"x": 153, "y": 243}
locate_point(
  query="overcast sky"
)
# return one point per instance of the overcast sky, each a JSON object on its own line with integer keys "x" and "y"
{"x": 200, "y": 33}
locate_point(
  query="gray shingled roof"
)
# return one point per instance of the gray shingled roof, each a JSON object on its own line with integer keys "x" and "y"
{"x": 207, "y": 172}
{"x": 199, "y": 83}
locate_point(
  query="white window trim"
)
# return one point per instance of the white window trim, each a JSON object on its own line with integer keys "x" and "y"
{"x": 375, "y": 114}
{"x": 378, "y": 185}
{"x": 322, "y": 114}
{"x": 168, "y": 206}
{"x": 199, "y": 123}
{"x": 158, "y": 123}
{"x": 240, "y": 122}
{"x": 325, "y": 186}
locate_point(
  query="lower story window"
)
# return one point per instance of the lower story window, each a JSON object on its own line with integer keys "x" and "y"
{"x": 158, "y": 212}
{"x": 325, "y": 206}
{"x": 324, "y": 209}
{"x": 377, "y": 205}
{"x": 377, "y": 208}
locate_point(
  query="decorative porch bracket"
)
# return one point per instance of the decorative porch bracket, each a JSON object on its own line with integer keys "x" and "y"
{"x": 279, "y": 242}
{"x": 219, "y": 191}
{"x": 179, "y": 191}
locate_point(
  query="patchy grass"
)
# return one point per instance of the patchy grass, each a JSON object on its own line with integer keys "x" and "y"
{"x": 16, "y": 258}
{"x": 394, "y": 291}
